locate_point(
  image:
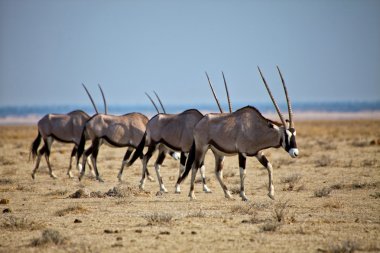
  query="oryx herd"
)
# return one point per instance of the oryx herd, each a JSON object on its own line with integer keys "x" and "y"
{"x": 186, "y": 136}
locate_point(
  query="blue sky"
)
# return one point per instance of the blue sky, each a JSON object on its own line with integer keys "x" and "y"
{"x": 327, "y": 50}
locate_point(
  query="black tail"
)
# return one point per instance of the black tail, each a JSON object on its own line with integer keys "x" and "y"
{"x": 138, "y": 152}
{"x": 189, "y": 163}
{"x": 81, "y": 144}
{"x": 34, "y": 147}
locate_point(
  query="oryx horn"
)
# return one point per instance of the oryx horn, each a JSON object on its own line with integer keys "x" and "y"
{"x": 290, "y": 111}
{"x": 213, "y": 92}
{"x": 151, "y": 100}
{"x": 228, "y": 94}
{"x": 92, "y": 101}
{"x": 159, "y": 100}
{"x": 273, "y": 100}
{"x": 104, "y": 100}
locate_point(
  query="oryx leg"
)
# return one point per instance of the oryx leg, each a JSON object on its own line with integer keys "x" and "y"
{"x": 94, "y": 156}
{"x": 73, "y": 153}
{"x": 203, "y": 176}
{"x": 219, "y": 174}
{"x": 125, "y": 159}
{"x": 198, "y": 162}
{"x": 264, "y": 161}
{"x": 182, "y": 164}
{"x": 85, "y": 155}
{"x": 48, "y": 143}
{"x": 242, "y": 163}
{"x": 157, "y": 166}
{"x": 40, "y": 153}
{"x": 145, "y": 161}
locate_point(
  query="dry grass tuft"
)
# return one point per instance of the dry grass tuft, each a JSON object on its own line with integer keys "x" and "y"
{"x": 57, "y": 193}
{"x": 375, "y": 195}
{"x": 280, "y": 210}
{"x": 270, "y": 226}
{"x": 158, "y": 219}
{"x": 324, "y": 192}
{"x": 333, "y": 204}
{"x": 291, "y": 181}
{"x": 16, "y": 223}
{"x": 76, "y": 209}
{"x": 48, "y": 237}
{"x": 123, "y": 192}
{"x": 360, "y": 143}
{"x": 244, "y": 209}
{"x": 4, "y": 181}
{"x": 323, "y": 161}
{"x": 344, "y": 247}
{"x": 198, "y": 214}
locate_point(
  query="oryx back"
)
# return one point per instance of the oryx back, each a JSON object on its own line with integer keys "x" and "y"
{"x": 174, "y": 130}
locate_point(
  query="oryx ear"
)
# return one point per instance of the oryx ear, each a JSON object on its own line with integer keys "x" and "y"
{"x": 271, "y": 125}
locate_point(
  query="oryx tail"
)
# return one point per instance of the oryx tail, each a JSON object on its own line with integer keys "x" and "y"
{"x": 34, "y": 146}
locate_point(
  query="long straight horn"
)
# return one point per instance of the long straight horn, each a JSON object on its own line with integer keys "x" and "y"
{"x": 290, "y": 111}
{"x": 271, "y": 96}
{"x": 104, "y": 100}
{"x": 92, "y": 101}
{"x": 151, "y": 100}
{"x": 159, "y": 100}
{"x": 228, "y": 94}
{"x": 213, "y": 92}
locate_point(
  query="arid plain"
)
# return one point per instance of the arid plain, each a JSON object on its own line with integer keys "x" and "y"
{"x": 327, "y": 200}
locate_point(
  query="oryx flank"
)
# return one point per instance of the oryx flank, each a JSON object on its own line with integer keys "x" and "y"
{"x": 66, "y": 128}
{"x": 117, "y": 131}
{"x": 244, "y": 132}
{"x": 170, "y": 132}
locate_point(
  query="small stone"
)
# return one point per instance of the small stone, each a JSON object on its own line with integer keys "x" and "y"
{"x": 77, "y": 221}
{"x": 182, "y": 233}
{"x": 117, "y": 245}
{"x": 138, "y": 231}
{"x": 193, "y": 232}
{"x": 7, "y": 210}
{"x": 4, "y": 201}
{"x": 107, "y": 231}
{"x": 119, "y": 238}
{"x": 165, "y": 233}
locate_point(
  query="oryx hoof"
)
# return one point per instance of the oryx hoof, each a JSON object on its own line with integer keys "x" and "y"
{"x": 119, "y": 178}
{"x": 141, "y": 187}
{"x": 100, "y": 179}
{"x": 151, "y": 179}
{"x": 70, "y": 174}
{"x": 228, "y": 195}
{"x": 53, "y": 176}
{"x": 271, "y": 195}
{"x": 33, "y": 176}
{"x": 177, "y": 189}
{"x": 206, "y": 189}
{"x": 192, "y": 196}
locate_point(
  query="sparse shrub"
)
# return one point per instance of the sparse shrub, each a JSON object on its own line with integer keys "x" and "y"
{"x": 270, "y": 226}
{"x": 324, "y": 192}
{"x": 323, "y": 161}
{"x": 360, "y": 143}
{"x": 337, "y": 186}
{"x": 15, "y": 223}
{"x": 368, "y": 162}
{"x": 49, "y": 236}
{"x": 235, "y": 190}
{"x": 158, "y": 219}
{"x": 280, "y": 210}
{"x": 76, "y": 209}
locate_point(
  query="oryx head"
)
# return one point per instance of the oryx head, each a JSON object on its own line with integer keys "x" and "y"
{"x": 288, "y": 140}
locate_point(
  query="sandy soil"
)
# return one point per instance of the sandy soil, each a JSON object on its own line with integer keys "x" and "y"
{"x": 329, "y": 198}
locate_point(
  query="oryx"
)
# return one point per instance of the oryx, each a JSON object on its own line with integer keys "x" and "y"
{"x": 245, "y": 132}
{"x": 66, "y": 128}
{"x": 117, "y": 131}
{"x": 171, "y": 132}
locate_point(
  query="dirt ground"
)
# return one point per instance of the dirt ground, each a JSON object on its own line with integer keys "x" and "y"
{"x": 327, "y": 200}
